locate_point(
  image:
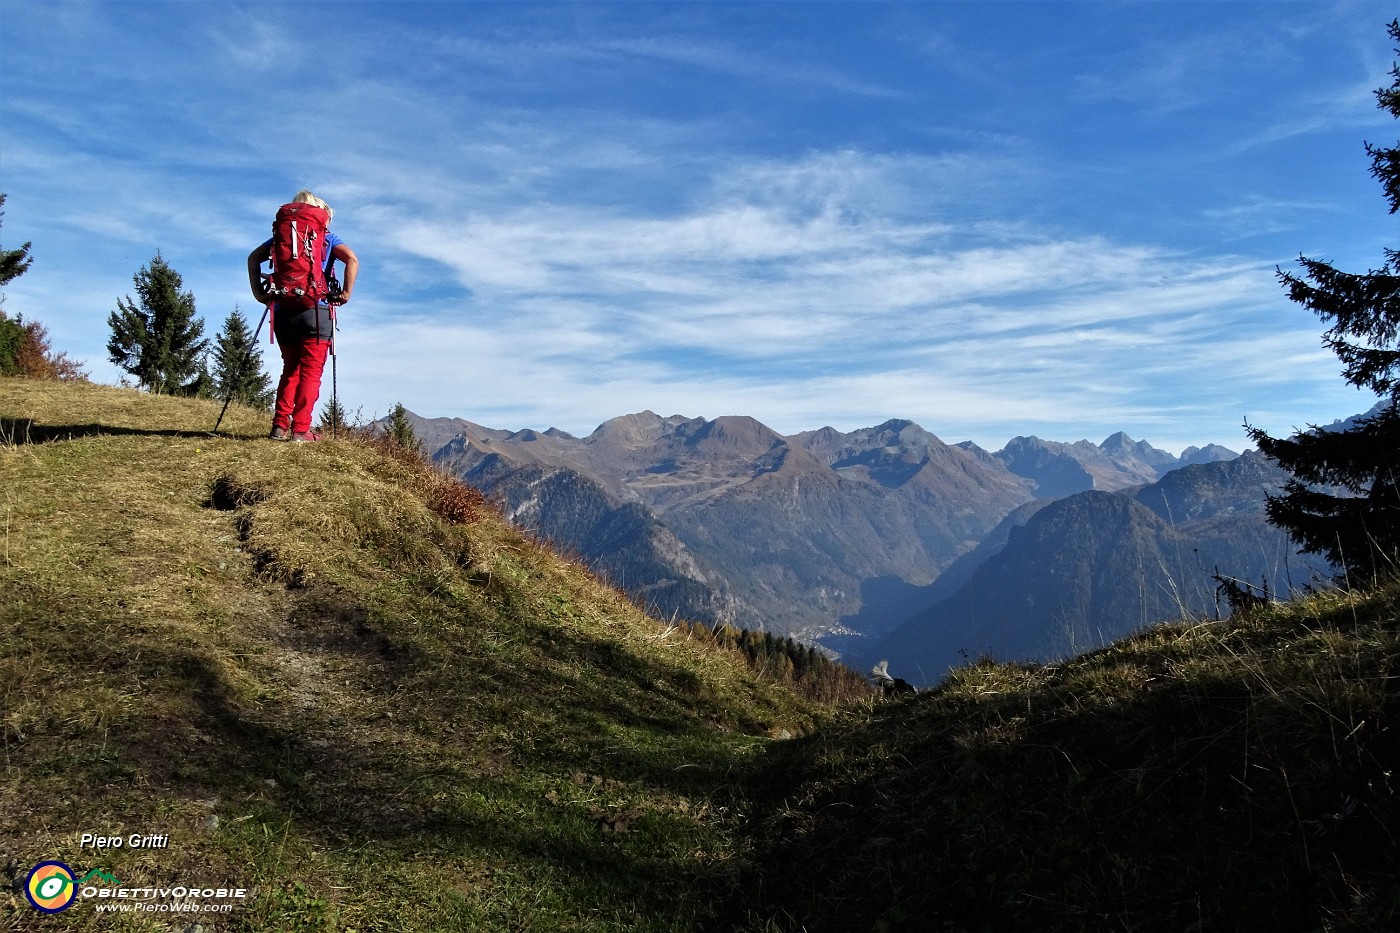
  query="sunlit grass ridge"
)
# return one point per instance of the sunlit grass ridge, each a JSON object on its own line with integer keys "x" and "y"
{"x": 335, "y": 677}
{"x": 323, "y": 689}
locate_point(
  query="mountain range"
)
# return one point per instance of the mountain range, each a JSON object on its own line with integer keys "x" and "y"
{"x": 1058, "y": 469}
{"x": 1061, "y": 577}
{"x": 793, "y": 525}
{"x": 840, "y": 537}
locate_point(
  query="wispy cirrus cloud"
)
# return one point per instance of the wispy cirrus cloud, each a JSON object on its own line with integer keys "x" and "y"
{"x": 796, "y": 312}
{"x": 759, "y": 64}
{"x": 994, "y": 221}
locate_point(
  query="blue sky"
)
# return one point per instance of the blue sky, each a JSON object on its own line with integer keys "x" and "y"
{"x": 994, "y": 219}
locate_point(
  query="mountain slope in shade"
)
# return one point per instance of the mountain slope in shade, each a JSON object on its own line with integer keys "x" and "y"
{"x": 1096, "y": 566}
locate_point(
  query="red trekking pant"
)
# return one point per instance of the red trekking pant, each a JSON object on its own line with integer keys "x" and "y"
{"x": 303, "y": 362}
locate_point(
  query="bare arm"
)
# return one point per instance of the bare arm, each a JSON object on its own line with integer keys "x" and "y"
{"x": 352, "y": 268}
{"x": 255, "y": 280}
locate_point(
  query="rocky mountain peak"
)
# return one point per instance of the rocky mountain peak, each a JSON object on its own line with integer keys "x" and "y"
{"x": 1211, "y": 453}
{"x": 1119, "y": 443}
{"x": 738, "y": 433}
{"x": 638, "y": 427}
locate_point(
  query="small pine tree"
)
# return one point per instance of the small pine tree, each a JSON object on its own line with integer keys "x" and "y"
{"x": 157, "y": 338}
{"x": 237, "y": 371}
{"x": 332, "y": 418}
{"x": 1358, "y": 530}
{"x": 400, "y": 431}
{"x": 783, "y": 669}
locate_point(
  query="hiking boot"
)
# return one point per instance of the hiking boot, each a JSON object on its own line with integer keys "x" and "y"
{"x": 280, "y": 434}
{"x": 302, "y": 437}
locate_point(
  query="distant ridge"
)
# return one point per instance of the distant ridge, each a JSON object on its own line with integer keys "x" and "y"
{"x": 795, "y": 526}
{"x": 1057, "y": 469}
{"x": 813, "y": 534}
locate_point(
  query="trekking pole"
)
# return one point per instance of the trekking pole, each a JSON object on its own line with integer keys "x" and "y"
{"x": 252, "y": 345}
{"x": 336, "y": 414}
{"x": 335, "y": 400}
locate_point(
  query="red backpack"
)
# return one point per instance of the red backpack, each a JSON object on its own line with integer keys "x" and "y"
{"x": 299, "y": 255}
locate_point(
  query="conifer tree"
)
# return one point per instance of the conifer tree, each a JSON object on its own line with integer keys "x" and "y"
{"x": 1356, "y": 522}
{"x": 237, "y": 358}
{"x": 400, "y": 431}
{"x": 13, "y": 262}
{"x": 11, "y": 339}
{"x": 332, "y": 418}
{"x": 25, "y": 351}
{"x": 157, "y": 338}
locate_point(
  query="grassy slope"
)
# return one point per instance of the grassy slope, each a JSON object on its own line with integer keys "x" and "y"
{"x": 1237, "y": 775}
{"x": 381, "y": 719}
{"x": 320, "y": 688}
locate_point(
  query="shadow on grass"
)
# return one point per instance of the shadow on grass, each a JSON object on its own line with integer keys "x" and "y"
{"x": 382, "y": 789}
{"x": 570, "y": 787}
{"x": 425, "y": 765}
{"x": 1209, "y": 803}
{"x": 20, "y": 431}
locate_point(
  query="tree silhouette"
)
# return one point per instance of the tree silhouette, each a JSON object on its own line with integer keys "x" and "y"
{"x": 333, "y": 420}
{"x": 1344, "y": 499}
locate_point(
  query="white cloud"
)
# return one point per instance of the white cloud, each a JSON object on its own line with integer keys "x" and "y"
{"x": 545, "y": 242}
{"x": 760, "y": 64}
{"x": 760, "y": 306}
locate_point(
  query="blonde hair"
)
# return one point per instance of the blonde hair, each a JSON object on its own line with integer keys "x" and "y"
{"x": 306, "y": 197}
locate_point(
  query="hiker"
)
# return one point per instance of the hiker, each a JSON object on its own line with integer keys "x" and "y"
{"x": 303, "y": 320}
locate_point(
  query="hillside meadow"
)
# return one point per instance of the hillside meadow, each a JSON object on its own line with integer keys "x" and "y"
{"x": 335, "y": 680}
{"x": 339, "y": 682}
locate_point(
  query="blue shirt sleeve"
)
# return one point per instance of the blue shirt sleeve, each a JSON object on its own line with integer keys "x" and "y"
{"x": 332, "y": 241}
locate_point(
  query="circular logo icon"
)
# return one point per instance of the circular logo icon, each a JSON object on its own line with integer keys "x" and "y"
{"x": 50, "y": 887}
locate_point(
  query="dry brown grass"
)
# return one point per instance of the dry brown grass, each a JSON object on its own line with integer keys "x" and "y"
{"x": 331, "y": 675}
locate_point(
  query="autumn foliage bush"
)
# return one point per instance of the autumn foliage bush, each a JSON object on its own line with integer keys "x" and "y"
{"x": 25, "y": 351}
